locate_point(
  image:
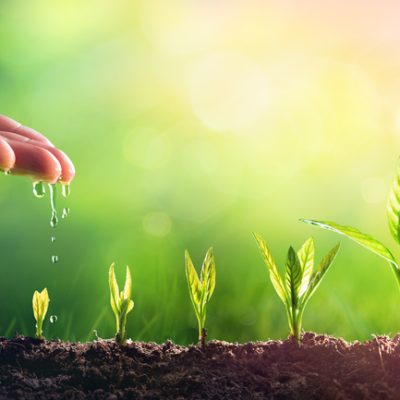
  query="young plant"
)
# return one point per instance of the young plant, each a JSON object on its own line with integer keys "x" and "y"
{"x": 121, "y": 302}
{"x": 201, "y": 289}
{"x": 300, "y": 282}
{"x": 40, "y": 304}
{"x": 367, "y": 241}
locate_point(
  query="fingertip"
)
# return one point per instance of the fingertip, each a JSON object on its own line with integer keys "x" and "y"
{"x": 7, "y": 156}
{"x": 36, "y": 162}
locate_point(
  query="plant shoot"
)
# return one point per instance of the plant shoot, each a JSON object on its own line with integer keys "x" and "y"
{"x": 300, "y": 281}
{"x": 40, "y": 305}
{"x": 121, "y": 302}
{"x": 201, "y": 289}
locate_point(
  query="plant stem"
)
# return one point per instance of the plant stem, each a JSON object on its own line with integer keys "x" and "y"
{"x": 202, "y": 337}
{"x": 296, "y": 325}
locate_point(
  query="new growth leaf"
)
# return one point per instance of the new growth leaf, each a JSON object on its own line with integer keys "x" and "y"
{"x": 300, "y": 281}
{"x": 121, "y": 302}
{"x": 40, "y": 305}
{"x": 367, "y": 241}
{"x": 201, "y": 289}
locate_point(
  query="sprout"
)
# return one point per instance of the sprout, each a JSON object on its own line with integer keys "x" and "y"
{"x": 300, "y": 281}
{"x": 40, "y": 304}
{"x": 367, "y": 241}
{"x": 121, "y": 302}
{"x": 201, "y": 289}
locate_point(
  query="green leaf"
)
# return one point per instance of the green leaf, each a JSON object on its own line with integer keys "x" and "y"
{"x": 273, "y": 270}
{"x": 40, "y": 304}
{"x": 294, "y": 275}
{"x": 195, "y": 287}
{"x": 114, "y": 290}
{"x": 323, "y": 267}
{"x": 128, "y": 284}
{"x": 362, "y": 239}
{"x": 393, "y": 207}
{"x": 306, "y": 258}
{"x": 207, "y": 276}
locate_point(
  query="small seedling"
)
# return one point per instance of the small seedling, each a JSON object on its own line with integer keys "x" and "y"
{"x": 300, "y": 281}
{"x": 367, "y": 241}
{"x": 201, "y": 289}
{"x": 121, "y": 302}
{"x": 40, "y": 305}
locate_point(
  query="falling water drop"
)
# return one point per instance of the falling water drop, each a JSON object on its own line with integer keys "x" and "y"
{"x": 54, "y": 259}
{"x": 65, "y": 212}
{"x": 8, "y": 172}
{"x": 65, "y": 190}
{"x": 53, "y": 319}
{"x": 39, "y": 189}
{"x": 54, "y": 218}
{"x": 53, "y": 239}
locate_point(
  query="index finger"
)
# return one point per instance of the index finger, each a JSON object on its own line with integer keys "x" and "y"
{"x": 10, "y": 125}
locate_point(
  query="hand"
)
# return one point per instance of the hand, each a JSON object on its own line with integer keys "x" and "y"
{"x": 23, "y": 151}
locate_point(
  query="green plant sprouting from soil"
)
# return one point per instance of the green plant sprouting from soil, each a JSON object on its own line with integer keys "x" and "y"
{"x": 40, "y": 305}
{"x": 201, "y": 289}
{"x": 301, "y": 281}
{"x": 367, "y": 241}
{"x": 121, "y": 302}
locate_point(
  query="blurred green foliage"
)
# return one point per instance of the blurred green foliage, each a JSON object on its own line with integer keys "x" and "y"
{"x": 175, "y": 148}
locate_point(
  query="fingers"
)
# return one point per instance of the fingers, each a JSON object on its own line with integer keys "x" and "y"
{"x": 7, "y": 156}
{"x": 67, "y": 168}
{"x": 10, "y": 125}
{"x": 35, "y": 161}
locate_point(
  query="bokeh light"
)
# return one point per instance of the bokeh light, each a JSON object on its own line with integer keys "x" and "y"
{"x": 193, "y": 124}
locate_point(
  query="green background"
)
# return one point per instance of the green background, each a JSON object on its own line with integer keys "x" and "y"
{"x": 173, "y": 154}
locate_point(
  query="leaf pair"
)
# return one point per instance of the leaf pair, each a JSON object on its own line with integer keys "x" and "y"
{"x": 367, "y": 241}
{"x": 121, "y": 302}
{"x": 201, "y": 289}
{"x": 40, "y": 305}
{"x": 300, "y": 282}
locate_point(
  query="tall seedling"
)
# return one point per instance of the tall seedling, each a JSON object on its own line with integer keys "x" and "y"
{"x": 201, "y": 289}
{"x": 300, "y": 281}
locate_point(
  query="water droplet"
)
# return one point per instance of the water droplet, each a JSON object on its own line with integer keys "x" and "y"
{"x": 65, "y": 212}
{"x": 54, "y": 259}
{"x": 39, "y": 189}
{"x": 53, "y": 319}
{"x": 54, "y": 219}
{"x": 53, "y": 239}
{"x": 8, "y": 172}
{"x": 66, "y": 190}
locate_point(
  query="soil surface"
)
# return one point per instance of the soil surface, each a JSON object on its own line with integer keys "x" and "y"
{"x": 321, "y": 368}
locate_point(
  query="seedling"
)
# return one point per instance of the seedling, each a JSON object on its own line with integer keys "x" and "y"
{"x": 367, "y": 241}
{"x": 40, "y": 305}
{"x": 300, "y": 280}
{"x": 121, "y": 302}
{"x": 201, "y": 289}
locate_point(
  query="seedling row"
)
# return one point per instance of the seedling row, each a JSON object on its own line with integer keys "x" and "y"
{"x": 294, "y": 288}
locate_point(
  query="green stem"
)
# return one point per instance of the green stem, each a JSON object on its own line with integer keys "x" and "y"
{"x": 39, "y": 330}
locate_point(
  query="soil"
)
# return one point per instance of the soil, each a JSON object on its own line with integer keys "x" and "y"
{"x": 321, "y": 368}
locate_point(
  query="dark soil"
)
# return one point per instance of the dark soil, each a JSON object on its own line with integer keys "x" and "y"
{"x": 322, "y": 368}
